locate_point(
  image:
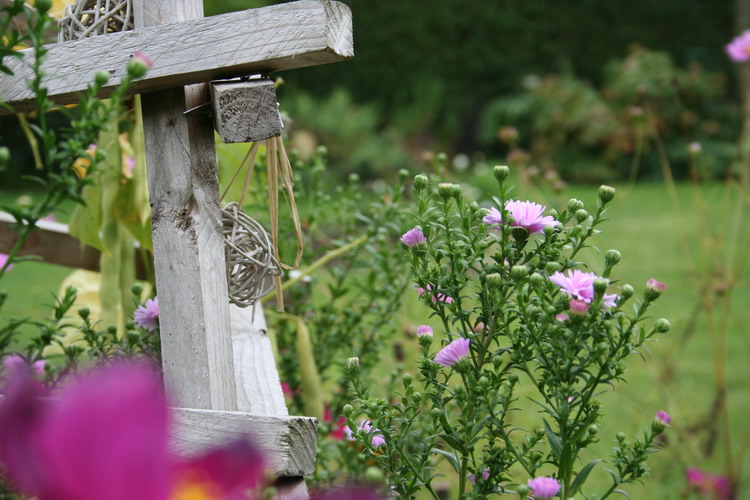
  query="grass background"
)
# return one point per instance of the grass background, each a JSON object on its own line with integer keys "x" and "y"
{"x": 656, "y": 242}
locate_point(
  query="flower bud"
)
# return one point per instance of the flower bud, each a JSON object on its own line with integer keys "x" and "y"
{"x": 662, "y": 325}
{"x": 627, "y": 292}
{"x": 352, "y": 362}
{"x": 593, "y": 430}
{"x": 484, "y": 382}
{"x": 348, "y": 410}
{"x": 417, "y": 396}
{"x": 403, "y": 174}
{"x": 600, "y": 286}
{"x": 620, "y": 437}
{"x": 482, "y": 212}
{"x": 43, "y": 6}
{"x": 101, "y": 78}
{"x": 523, "y": 491}
{"x": 474, "y": 206}
{"x": 420, "y": 182}
{"x": 552, "y": 267}
{"x": 456, "y": 191}
{"x": 138, "y": 65}
{"x": 662, "y": 420}
{"x": 549, "y": 230}
{"x": 374, "y": 475}
{"x": 4, "y": 156}
{"x": 425, "y": 340}
{"x": 84, "y": 312}
{"x": 581, "y": 215}
{"x": 518, "y": 273}
{"x": 513, "y": 378}
{"x": 112, "y": 329}
{"x": 501, "y": 172}
{"x": 612, "y": 257}
{"x": 575, "y": 204}
{"x": 494, "y": 281}
{"x": 606, "y": 194}
{"x": 536, "y": 280}
{"x": 445, "y": 190}
{"x": 407, "y": 378}
{"x": 130, "y": 325}
{"x": 137, "y": 289}
{"x": 354, "y": 178}
{"x": 654, "y": 289}
{"x": 695, "y": 148}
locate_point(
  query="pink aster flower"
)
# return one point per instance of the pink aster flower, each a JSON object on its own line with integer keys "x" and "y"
{"x": 708, "y": 483}
{"x": 14, "y": 363}
{"x": 453, "y": 352}
{"x": 473, "y": 479}
{"x": 561, "y": 317}
{"x": 143, "y": 59}
{"x": 494, "y": 218}
{"x": 67, "y": 447}
{"x": 739, "y": 48}
{"x": 663, "y": 418}
{"x": 147, "y": 315}
{"x": 580, "y": 285}
{"x": 413, "y": 237}
{"x": 435, "y": 298}
{"x": 377, "y": 439}
{"x": 544, "y": 487}
{"x": 424, "y": 330}
{"x": 3, "y": 261}
{"x": 578, "y": 307}
{"x": 657, "y": 286}
{"x": 528, "y": 215}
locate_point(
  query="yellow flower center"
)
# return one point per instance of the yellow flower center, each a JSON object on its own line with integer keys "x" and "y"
{"x": 191, "y": 486}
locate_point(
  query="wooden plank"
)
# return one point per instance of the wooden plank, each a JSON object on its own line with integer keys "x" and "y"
{"x": 278, "y": 37}
{"x": 52, "y": 243}
{"x": 188, "y": 245}
{"x": 258, "y": 384}
{"x": 289, "y": 443}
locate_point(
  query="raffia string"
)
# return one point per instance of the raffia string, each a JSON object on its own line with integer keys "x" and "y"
{"x": 279, "y": 172}
{"x": 95, "y": 17}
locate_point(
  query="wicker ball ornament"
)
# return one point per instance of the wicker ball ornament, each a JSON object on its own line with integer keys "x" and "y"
{"x": 95, "y": 17}
{"x": 251, "y": 266}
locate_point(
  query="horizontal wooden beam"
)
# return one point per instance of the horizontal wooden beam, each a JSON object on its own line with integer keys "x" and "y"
{"x": 288, "y": 443}
{"x": 52, "y": 243}
{"x": 278, "y": 37}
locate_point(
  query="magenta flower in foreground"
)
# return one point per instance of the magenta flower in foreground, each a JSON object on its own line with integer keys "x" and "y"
{"x": 528, "y": 215}
{"x": 453, "y": 352}
{"x": 147, "y": 315}
{"x": 3, "y": 260}
{"x": 580, "y": 285}
{"x": 739, "y": 48}
{"x": 544, "y": 487}
{"x": 104, "y": 436}
{"x": 413, "y": 237}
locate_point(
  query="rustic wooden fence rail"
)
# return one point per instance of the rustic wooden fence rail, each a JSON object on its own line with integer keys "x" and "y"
{"x": 217, "y": 359}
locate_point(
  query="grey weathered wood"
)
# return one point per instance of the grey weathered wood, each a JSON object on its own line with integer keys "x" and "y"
{"x": 188, "y": 245}
{"x": 258, "y": 384}
{"x": 288, "y": 443}
{"x": 279, "y": 37}
{"x": 245, "y": 110}
{"x": 52, "y": 243}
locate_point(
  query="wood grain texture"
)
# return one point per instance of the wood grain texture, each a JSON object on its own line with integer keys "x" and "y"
{"x": 278, "y": 37}
{"x": 52, "y": 243}
{"x": 258, "y": 384}
{"x": 188, "y": 246}
{"x": 289, "y": 443}
{"x": 245, "y": 111}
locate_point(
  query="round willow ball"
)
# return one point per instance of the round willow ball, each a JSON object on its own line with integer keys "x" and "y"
{"x": 251, "y": 266}
{"x": 95, "y": 17}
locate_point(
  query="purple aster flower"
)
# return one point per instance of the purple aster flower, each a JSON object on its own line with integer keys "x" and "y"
{"x": 365, "y": 425}
{"x": 435, "y": 298}
{"x": 580, "y": 285}
{"x": 656, "y": 285}
{"x": 453, "y": 352}
{"x": 424, "y": 330}
{"x": 579, "y": 307}
{"x": 413, "y": 237}
{"x": 544, "y": 487}
{"x": 3, "y": 260}
{"x": 473, "y": 479}
{"x": 739, "y": 48}
{"x": 147, "y": 315}
{"x": 663, "y": 418}
{"x": 528, "y": 215}
{"x": 561, "y": 317}
{"x": 494, "y": 218}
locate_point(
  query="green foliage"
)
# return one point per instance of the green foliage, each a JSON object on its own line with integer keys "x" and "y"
{"x": 645, "y": 103}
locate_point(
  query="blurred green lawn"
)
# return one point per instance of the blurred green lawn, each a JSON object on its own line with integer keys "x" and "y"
{"x": 678, "y": 377}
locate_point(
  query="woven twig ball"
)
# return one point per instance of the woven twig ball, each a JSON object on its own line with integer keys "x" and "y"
{"x": 251, "y": 266}
{"x": 95, "y": 17}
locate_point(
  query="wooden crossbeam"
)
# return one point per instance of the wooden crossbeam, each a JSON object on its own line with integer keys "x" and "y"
{"x": 279, "y": 37}
{"x": 52, "y": 243}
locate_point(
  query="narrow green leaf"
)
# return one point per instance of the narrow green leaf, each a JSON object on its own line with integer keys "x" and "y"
{"x": 554, "y": 442}
{"x": 582, "y": 476}
{"x": 450, "y": 457}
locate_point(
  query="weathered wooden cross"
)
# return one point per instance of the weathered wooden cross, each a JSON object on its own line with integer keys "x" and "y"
{"x": 218, "y": 363}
